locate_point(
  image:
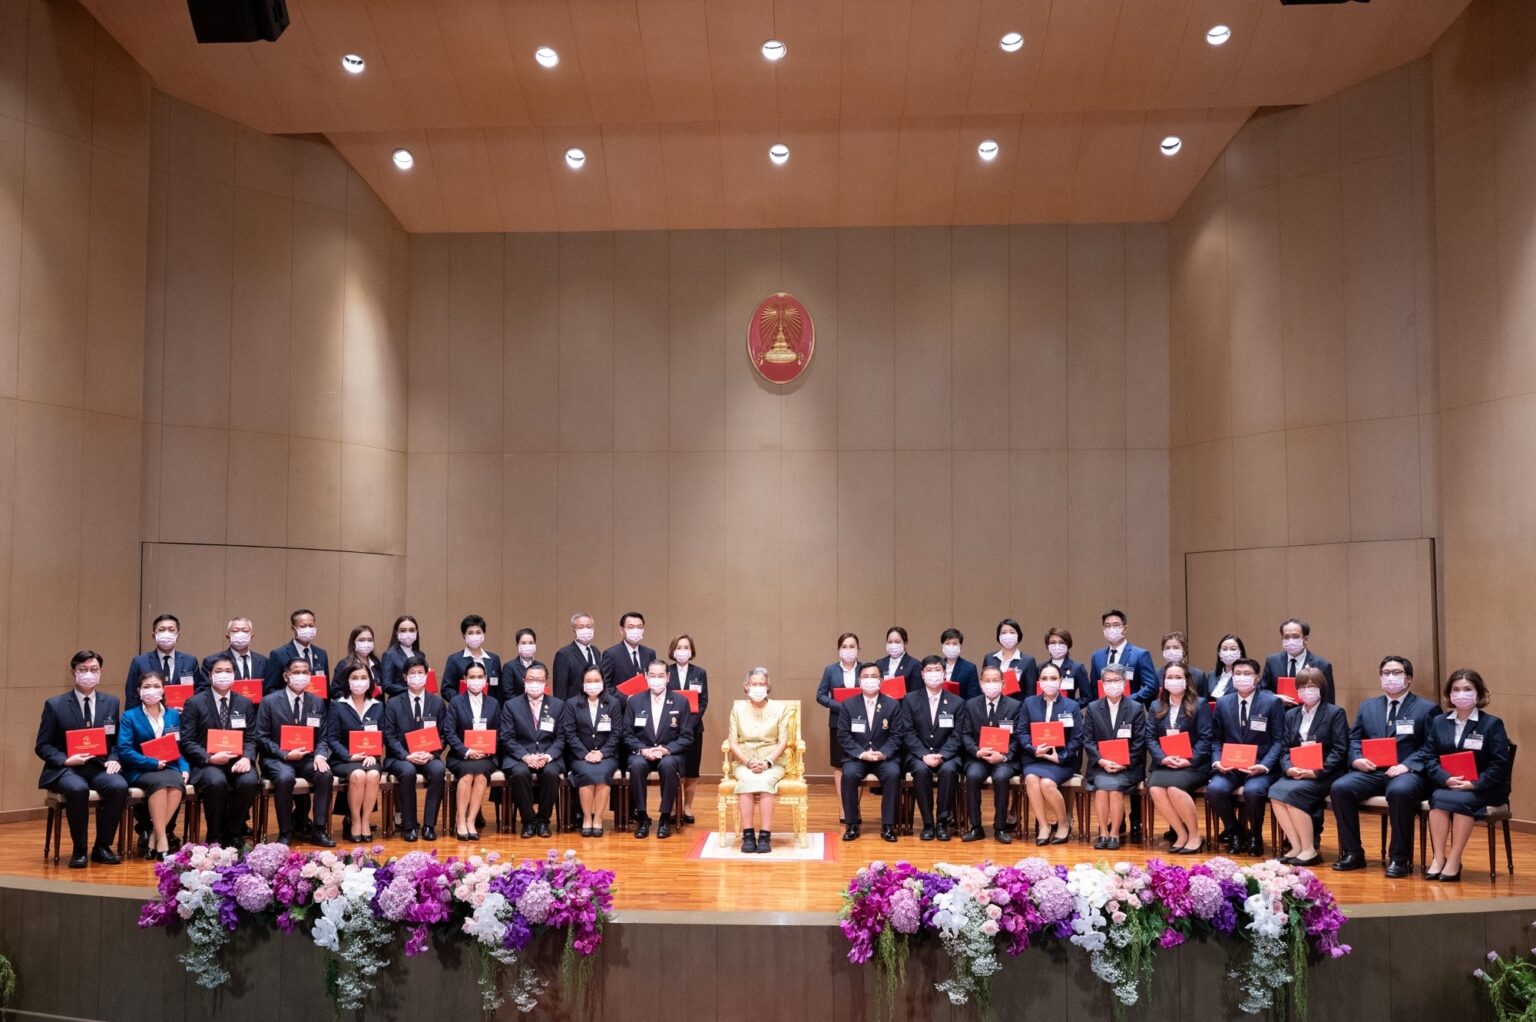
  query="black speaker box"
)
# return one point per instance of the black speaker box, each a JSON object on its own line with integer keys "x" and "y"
{"x": 238, "y": 21}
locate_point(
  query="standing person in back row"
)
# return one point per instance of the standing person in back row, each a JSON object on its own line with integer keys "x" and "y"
{"x": 176, "y": 667}
{"x": 573, "y": 660}
{"x": 300, "y": 647}
{"x": 1141, "y": 680}
{"x": 1293, "y": 656}
{"x": 247, "y": 662}
{"x": 627, "y": 658}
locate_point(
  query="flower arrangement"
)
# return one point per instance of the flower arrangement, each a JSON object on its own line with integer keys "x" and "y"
{"x": 1122, "y": 915}
{"x": 1510, "y": 986}
{"x": 355, "y": 906}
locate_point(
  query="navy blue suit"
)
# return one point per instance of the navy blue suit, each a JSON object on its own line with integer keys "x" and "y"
{"x": 934, "y": 734}
{"x": 458, "y": 664}
{"x": 584, "y": 735}
{"x": 276, "y": 710}
{"x": 908, "y": 667}
{"x": 832, "y": 678}
{"x": 966, "y": 676}
{"x": 1142, "y": 679}
{"x": 618, "y": 665}
{"x": 1264, "y": 707}
{"x": 570, "y": 664}
{"x": 1403, "y": 792}
{"x": 62, "y": 713}
{"x": 514, "y": 671}
{"x": 186, "y": 669}
{"x": 1069, "y": 757}
{"x": 258, "y": 663}
{"x": 226, "y": 796}
{"x": 521, "y": 735}
{"x": 399, "y": 720}
{"x": 459, "y": 718}
{"x": 973, "y": 718}
{"x": 1277, "y": 665}
{"x": 1029, "y": 671}
{"x": 673, "y": 732}
{"x": 1488, "y": 742}
{"x": 858, "y": 733}
{"x": 392, "y": 671}
{"x": 279, "y": 658}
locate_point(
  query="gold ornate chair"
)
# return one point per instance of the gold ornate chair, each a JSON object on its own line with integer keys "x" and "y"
{"x": 793, "y": 794}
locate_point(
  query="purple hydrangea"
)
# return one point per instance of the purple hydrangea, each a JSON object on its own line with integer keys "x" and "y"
{"x": 253, "y": 893}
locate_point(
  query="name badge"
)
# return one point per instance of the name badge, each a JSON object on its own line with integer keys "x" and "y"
{"x": 946, "y": 720}
{"x": 1405, "y": 727}
{"x": 1473, "y": 742}
{"x": 547, "y": 724}
{"x": 428, "y": 722}
{"x": 1310, "y": 741}
{"x": 493, "y": 680}
{"x": 1171, "y": 731}
{"x": 109, "y": 728}
{"x": 605, "y": 725}
{"x": 1007, "y": 725}
{"x": 1068, "y": 684}
{"x": 1124, "y": 732}
{"x": 370, "y": 727}
{"x": 1065, "y": 719}
{"x": 1257, "y": 724}
{"x": 312, "y": 722}
{"x": 479, "y": 724}
{"x": 694, "y": 686}
{"x": 237, "y": 721}
{"x": 858, "y": 727}
{"x": 640, "y": 720}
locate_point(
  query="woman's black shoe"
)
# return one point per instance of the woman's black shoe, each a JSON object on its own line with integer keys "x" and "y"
{"x": 748, "y": 843}
{"x": 764, "y": 842}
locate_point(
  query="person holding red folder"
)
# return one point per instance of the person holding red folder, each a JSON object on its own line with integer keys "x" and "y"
{"x": 75, "y": 774}
{"x": 657, "y": 731}
{"x": 1316, "y": 754}
{"x": 842, "y": 676}
{"x": 1009, "y": 657}
{"x": 1179, "y": 735}
{"x": 227, "y": 783}
{"x": 413, "y": 742}
{"x": 358, "y": 760}
{"x": 1115, "y": 742}
{"x": 534, "y": 748}
{"x": 990, "y": 745}
{"x": 472, "y": 710}
{"x": 686, "y": 676}
{"x": 1046, "y": 767}
{"x": 1388, "y": 752}
{"x": 1460, "y": 798}
{"x": 1074, "y": 675}
{"x": 294, "y": 706}
{"x": 148, "y": 750}
{"x": 869, "y": 733}
{"x": 1250, "y": 717}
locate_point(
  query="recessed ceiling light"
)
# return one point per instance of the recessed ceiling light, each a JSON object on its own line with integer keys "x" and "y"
{"x": 774, "y": 49}
{"x": 575, "y": 158}
{"x": 987, "y": 150}
{"x": 1171, "y": 145}
{"x": 778, "y": 153}
{"x": 403, "y": 159}
{"x": 546, "y": 56}
{"x": 353, "y": 64}
{"x": 1218, "y": 34}
{"x": 1013, "y": 42}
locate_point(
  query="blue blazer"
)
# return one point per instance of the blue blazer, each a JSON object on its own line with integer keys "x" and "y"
{"x": 1144, "y": 688}
{"x": 279, "y": 658}
{"x": 1371, "y": 722}
{"x": 513, "y": 672}
{"x": 923, "y": 735}
{"x": 133, "y": 731}
{"x": 966, "y": 676}
{"x": 908, "y": 667}
{"x": 1275, "y": 666}
{"x": 832, "y": 678}
{"x": 186, "y": 667}
{"x": 1266, "y": 706}
{"x": 1066, "y": 710}
{"x": 1492, "y": 788}
{"x": 398, "y": 720}
{"x": 616, "y": 665}
{"x": 1201, "y": 729}
{"x": 520, "y": 735}
{"x": 581, "y": 737}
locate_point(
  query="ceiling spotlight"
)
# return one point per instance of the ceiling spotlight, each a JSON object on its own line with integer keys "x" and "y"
{"x": 1171, "y": 145}
{"x": 575, "y": 158}
{"x": 1218, "y": 34}
{"x": 352, "y": 64}
{"x": 987, "y": 150}
{"x": 403, "y": 159}
{"x": 774, "y": 49}
{"x": 778, "y": 153}
{"x": 1013, "y": 42}
{"x": 546, "y": 56}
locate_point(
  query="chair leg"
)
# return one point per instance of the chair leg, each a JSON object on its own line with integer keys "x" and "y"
{"x": 1493, "y": 855}
{"x": 1383, "y": 838}
{"x": 1509, "y": 850}
{"x": 48, "y": 832}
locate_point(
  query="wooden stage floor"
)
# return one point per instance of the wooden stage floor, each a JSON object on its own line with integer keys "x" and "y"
{"x": 660, "y": 876}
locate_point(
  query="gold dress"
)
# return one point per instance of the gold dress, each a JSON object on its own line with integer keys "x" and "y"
{"x": 757, "y": 733}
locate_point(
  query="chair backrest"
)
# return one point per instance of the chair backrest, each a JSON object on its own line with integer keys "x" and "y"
{"x": 794, "y": 751}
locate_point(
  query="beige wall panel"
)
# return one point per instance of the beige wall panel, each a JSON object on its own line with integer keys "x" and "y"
{"x": 1103, "y": 406}
{"x": 1317, "y": 484}
{"x": 114, "y": 297}
{"x": 980, "y": 572}
{"x": 1262, "y": 599}
{"x": 696, "y": 390}
{"x": 1309, "y": 138}
{"x": 584, "y": 542}
{"x": 12, "y": 191}
{"x": 427, "y": 393}
{"x": 697, "y": 516}
{"x": 809, "y": 266}
{"x": 1379, "y": 308}
{"x": 256, "y": 586}
{"x": 198, "y": 281}
{"x": 921, "y": 339}
{"x": 257, "y": 489}
{"x": 426, "y": 540}
{"x": 807, "y": 531}
{"x": 866, "y": 548}
{"x": 109, "y": 530}
{"x": 1146, "y": 332}
{"x": 642, "y": 316}
{"x": 754, "y": 571}
{"x": 1258, "y": 490}
{"x": 54, "y": 267}
{"x": 1312, "y": 298}
{"x": 1375, "y": 118}
{"x": 1037, "y": 336}
{"x": 313, "y": 580}
{"x": 529, "y": 563}
{"x": 924, "y": 525}
{"x": 641, "y": 541}
{"x": 314, "y": 493}
{"x": 980, "y": 381}
{"x": 1255, "y": 390}
{"x": 60, "y": 60}
{"x": 370, "y": 390}
{"x": 262, "y": 312}
{"x": 1213, "y": 585}
{"x": 263, "y": 163}
{"x": 1384, "y": 480}
{"x": 1096, "y": 533}
{"x": 1037, "y": 556}
{"x": 319, "y": 268}
{"x": 475, "y": 343}
{"x": 45, "y": 528}
{"x": 866, "y": 296}
{"x": 587, "y": 342}
{"x": 373, "y": 496}
{"x": 753, "y": 407}
{"x": 1146, "y": 563}
{"x": 193, "y": 484}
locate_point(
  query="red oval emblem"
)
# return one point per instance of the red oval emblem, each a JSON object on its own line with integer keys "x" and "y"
{"x": 780, "y": 338}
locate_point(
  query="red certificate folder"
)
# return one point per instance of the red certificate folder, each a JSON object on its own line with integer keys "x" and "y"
{"x": 296, "y": 736}
{"x": 1116, "y": 750}
{"x": 1176, "y": 743}
{"x": 633, "y": 685}
{"x": 220, "y": 740}
{"x": 895, "y": 687}
{"x": 1010, "y": 682}
{"x": 176, "y": 696}
{"x": 996, "y": 739}
{"x": 318, "y": 686}
{"x": 1381, "y": 751}
{"x": 839, "y": 694}
{"x": 1460, "y": 764}
{"x": 86, "y": 741}
{"x": 423, "y": 740}
{"x": 165, "y": 747}
{"x": 480, "y": 740}
{"x": 1239, "y": 757}
{"x": 431, "y": 680}
{"x": 1307, "y": 757}
{"x": 250, "y": 688}
{"x": 365, "y": 743}
{"x": 1286, "y": 687}
{"x": 692, "y": 697}
{"x": 1047, "y": 734}
{"x": 952, "y": 687}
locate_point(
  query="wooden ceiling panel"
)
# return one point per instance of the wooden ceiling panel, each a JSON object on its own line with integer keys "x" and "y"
{"x": 555, "y": 95}
{"x": 807, "y": 184}
{"x": 486, "y": 80}
{"x": 742, "y": 80}
{"x": 808, "y": 81}
{"x": 520, "y": 177}
{"x": 637, "y": 183}
{"x": 581, "y": 196}
{"x": 866, "y": 172}
{"x": 690, "y": 162}
{"x": 609, "y": 40}
{"x": 1075, "y": 52}
{"x": 675, "y": 37}
{"x": 876, "y": 36}
{"x": 1004, "y": 82}
{"x": 1143, "y": 53}
{"x": 419, "y": 60}
{"x": 982, "y": 189}
{"x": 927, "y": 153}
{"x": 941, "y": 51}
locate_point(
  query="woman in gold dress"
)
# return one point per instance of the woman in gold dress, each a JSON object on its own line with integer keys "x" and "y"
{"x": 758, "y": 736}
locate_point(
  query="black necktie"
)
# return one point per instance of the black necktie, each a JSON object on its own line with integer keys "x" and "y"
{"x": 309, "y": 658}
{"x": 1242, "y": 717}
{"x": 1293, "y": 668}
{"x": 245, "y": 666}
{"x": 991, "y": 714}
{"x": 165, "y": 663}
{"x": 224, "y": 711}
{"x": 586, "y": 652}
{"x": 1114, "y": 656}
{"x": 298, "y": 709}
{"x": 88, "y": 717}
{"x": 1392, "y": 714}
{"x": 417, "y": 701}
{"x": 634, "y": 655}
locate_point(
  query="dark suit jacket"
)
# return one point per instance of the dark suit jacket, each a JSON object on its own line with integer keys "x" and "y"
{"x": 201, "y": 714}
{"x": 570, "y": 665}
{"x": 696, "y": 676}
{"x": 973, "y": 717}
{"x": 276, "y": 710}
{"x": 1330, "y": 728}
{"x": 399, "y": 721}
{"x": 279, "y": 658}
{"x": 883, "y": 734}
{"x": 186, "y": 666}
{"x": 1197, "y": 682}
{"x": 61, "y": 713}
{"x": 513, "y": 673}
{"x": 966, "y": 676}
{"x": 1029, "y": 672}
{"x": 923, "y": 735}
{"x": 1147, "y": 679}
{"x": 458, "y": 664}
{"x": 392, "y": 671}
{"x": 1096, "y": 729}
{"x": 1201, "y": 728}
{"x": 1077, "y": 672}
{"x": 831, "y": 680}
{"x": 459, "y": 719}
{"x": 909, "y": 667}
{"x": 343, "y": 720}
{"x": 338, "y": 686}
{"x": 520, "y": 735}
{"x": 258, "y": 663}
{"x": 1493, "y": 759}
{"x": 1275, "y": 666}
{"x": 1069, "y": 712}
{"x": 1266, "y": 706}
{"x": 581, "y": 737}
{"x": 673, "y": 731}
{"x": 617, "y": 667}
{"x": 1371, "y": 722}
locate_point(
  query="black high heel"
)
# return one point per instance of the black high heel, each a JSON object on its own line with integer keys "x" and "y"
{"x": 1447, "y": 878}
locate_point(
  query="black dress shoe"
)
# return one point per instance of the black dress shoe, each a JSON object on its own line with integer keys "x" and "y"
{"x": 105, "y": 856}
{"x": 749, "y": 842}
{"x": 322, "y": 839}
{"x": 473, "y": 835}
{"x": 664, "y": 830}
{"x": 1308, "y": 863}
{"x": 687, "y": 819}
{"x": 1397, "y": 869}
{"x": 974, "y": 834}
{"x": 412, "y": 835}
{"x": 1135, "y": 835}
{"x": 429, "y": 833}
{"x": 1002, "y": 836}
{"x": 527, "y": 831}
{"x": 285, "y": 839}
{"x": 851, "y": 832}
{"x": 1256, "y": 846}
{"x": 1061, "y": 839}
{"x": 78, "y": 860}
{"x": 927, "y": 834}
{"x": 1111, "y": 844}
{"x": 888, "y": 834}
{"x": 1349, "y": 861}
{"x": 541, "y": 829}
{"x": 1099, "y": 842}
{"x": 643, "y": 828}
{"x": 943, "y": 831}
{"x": 764, "y": 842}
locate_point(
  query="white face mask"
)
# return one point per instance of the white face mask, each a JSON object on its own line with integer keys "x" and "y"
{"x": 1173, "y": 655}
{"x": 416, "y": 681}
{"x": 1310, "y": 696}
{"x": 634, "y": 635}
{"x": 1008, "y": 640}
{"x": 895, "y": 649}
{"x": 526, "y": 650}
{"x": 407, "y": 638}
{"x": 475, "y": 685}
{"x": 1175, "y": 686}
{"x": 1057, "y": 650}
{"x": 869, "y": 686}
{"x": 364, "y": 647}
{"x": 1050, "y": 687}
{"x": 584, "y": 635}
{"x": 87, "y": 680}
{"x": 950, "y": 650}
{"x": 933, "y": 679}
{"x": 655, "y": 684}
{"x": 151, "y": 696}
{"x": 682, "y": 654}
{"x": 592, "y": 688}
{"x": 1113, "y": 634}
{"x": 474, "y": 640}
{"x": 223, "y": 681}
{"x": 165, "y": 640}
{"x": 1243, "y": 683}
{"x": 239, "y": 641}
{"x": 757, "y": 693}
{"x": 306, "y": 635}
{"x": 535, "y": 689}
{"x": 1293, "y": 647}
{"x": 848, "y": 656}
{"x": 359, "y": 686}
{"x": 298, "y": 682}
{"x": 1114, "y": 689}
{"x": 1395, "y": 684}
{"x": 1230, "y": 656}
{"x": 1463, "y": 700}
{"x": 991, "y": 689}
